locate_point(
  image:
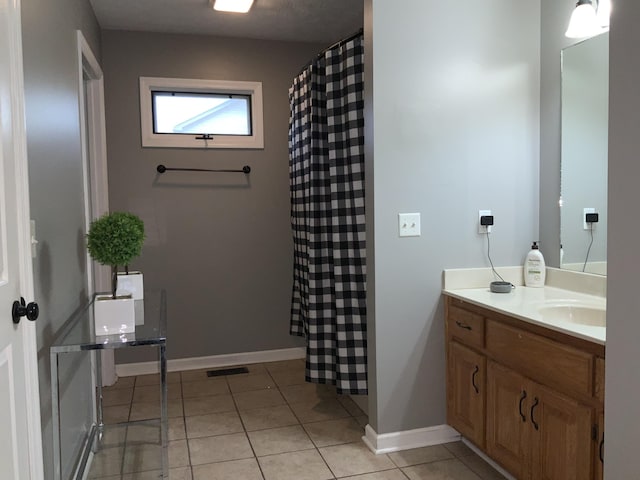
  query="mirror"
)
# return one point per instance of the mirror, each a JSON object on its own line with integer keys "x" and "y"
{"x": 585, "y": 139}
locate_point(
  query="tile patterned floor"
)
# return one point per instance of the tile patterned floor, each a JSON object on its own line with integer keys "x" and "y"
{"x": 267, "y": 424}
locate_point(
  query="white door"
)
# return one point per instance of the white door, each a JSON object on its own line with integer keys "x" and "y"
{"x": 20, "y": 442}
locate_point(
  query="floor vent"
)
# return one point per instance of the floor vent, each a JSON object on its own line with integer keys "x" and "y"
{"x": 227, "y": 371}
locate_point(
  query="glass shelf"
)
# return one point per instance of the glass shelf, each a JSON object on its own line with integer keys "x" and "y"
{"x": 79, "y": 334}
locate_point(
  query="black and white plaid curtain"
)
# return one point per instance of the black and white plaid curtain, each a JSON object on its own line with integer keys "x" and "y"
{"x": 326, "y": 169}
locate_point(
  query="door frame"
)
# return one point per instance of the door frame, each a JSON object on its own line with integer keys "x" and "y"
{"x": 93, "y": 137}
{"x": 29, "y": 334}
{"x": 94, "y": 141}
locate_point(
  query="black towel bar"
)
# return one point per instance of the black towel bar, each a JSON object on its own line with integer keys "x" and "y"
{"x": 162, "y": 169}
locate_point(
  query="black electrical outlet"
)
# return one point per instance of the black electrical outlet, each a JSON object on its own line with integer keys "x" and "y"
{"x": 591, "y": 217}
{"x": 487, "y": 220}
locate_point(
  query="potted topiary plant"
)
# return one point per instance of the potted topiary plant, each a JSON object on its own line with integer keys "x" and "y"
{"x": 114, "y": 240}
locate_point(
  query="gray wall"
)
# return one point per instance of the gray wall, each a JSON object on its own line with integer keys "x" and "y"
{"x": 55, "y": 177}
{"x": 623, "y": 302}
{"x": 220, "y": 244}
{"x": 456, "y": 97}
{"x": 555, "y": 19}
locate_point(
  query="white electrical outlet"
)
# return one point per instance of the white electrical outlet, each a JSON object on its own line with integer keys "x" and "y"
{"x": 409, "y": 224}
{"x": 585, "y": 225}
{"x": 483, "y": 228}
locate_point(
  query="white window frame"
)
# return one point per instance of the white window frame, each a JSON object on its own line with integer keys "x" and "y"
{"x": 151, "y": 139}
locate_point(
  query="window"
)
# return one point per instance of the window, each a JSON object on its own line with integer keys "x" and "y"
{"x": 186, "y": 113}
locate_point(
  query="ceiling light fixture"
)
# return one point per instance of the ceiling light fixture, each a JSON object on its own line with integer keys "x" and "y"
{"x": 238, "y": 6}
{"x": 588, "y": 20}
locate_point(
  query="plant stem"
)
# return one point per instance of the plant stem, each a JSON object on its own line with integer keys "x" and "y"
{"x": 114, "y": 280}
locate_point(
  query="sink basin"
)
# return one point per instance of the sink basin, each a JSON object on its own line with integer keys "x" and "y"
{"x": 588, "y": 315}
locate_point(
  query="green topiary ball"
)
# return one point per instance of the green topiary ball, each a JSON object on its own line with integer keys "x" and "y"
{"x": 115, "y": 238}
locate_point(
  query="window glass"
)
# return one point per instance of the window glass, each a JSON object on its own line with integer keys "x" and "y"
{"x": 201, "y": 113}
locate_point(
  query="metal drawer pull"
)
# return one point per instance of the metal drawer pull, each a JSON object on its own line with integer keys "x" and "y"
{"x": 522, "y": 398}
{"x": 473, "y": 379}
{"x": 535, "y": 404}
{"x": 463, "y": 325}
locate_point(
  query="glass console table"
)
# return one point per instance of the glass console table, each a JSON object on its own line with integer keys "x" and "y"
{"x": 79, "y": 335}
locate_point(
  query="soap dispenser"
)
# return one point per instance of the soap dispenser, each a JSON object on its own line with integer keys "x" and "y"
{"x": 534, "y": 267}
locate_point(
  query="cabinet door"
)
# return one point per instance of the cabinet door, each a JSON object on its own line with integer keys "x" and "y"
{"x": 466, "y": 392}
{"x": 598, "y": 455}
{"x": 561, "y": 444}
{"x": 507, "y": 418}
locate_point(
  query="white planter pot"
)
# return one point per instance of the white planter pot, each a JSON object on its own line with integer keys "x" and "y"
{"x": 113, "y": 316}
{"x": 139, "y": 309}
{"x": 131, "y": 283}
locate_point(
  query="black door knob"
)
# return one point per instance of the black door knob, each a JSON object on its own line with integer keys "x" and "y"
{"x": 21, "y": 309}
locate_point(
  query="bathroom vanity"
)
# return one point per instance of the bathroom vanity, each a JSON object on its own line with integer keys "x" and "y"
{"x": 525, "y": 378}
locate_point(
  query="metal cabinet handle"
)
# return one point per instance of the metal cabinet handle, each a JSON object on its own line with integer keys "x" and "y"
{"x": 522, "y": 398}
{"x": 535, "y": 404}
{"x": 473, "y": 379}
{"x": 601, "y": 449}
{"x": 463, "y": 325}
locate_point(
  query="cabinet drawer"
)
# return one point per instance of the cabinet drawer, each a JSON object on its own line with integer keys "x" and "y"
{"x": 544, "y": 360}
{"x": 468, "y": 327}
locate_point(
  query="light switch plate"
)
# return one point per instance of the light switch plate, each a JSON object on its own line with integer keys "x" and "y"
{"x": 409, "y": 224}
{"x": 585, "y": 225}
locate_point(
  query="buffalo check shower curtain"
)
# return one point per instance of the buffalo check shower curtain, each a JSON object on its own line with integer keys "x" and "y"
{"x": 326, "y": 170}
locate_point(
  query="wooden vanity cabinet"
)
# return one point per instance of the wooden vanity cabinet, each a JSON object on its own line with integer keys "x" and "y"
{"x": 466, "y": 373}
{"x": 560, "y": 440}
{"x": 598, "y": 454}
{"x": 466, "y": 392}
{"x": 507, "y": 419}
{"x": 538, "y": 422}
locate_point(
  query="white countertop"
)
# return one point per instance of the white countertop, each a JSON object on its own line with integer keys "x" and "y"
{"x": 524, "y": 303}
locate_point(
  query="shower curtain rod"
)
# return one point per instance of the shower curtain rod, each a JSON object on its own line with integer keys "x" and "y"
{"x": 162, "y": 169}
{"x": 335, "y": 45}
{"x": 339, "y": 43}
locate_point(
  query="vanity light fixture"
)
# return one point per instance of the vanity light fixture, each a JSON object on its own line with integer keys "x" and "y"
{"x": 588, "y": 19}
{"x": 237, "y": 6}
{"x": 604, "y": 13}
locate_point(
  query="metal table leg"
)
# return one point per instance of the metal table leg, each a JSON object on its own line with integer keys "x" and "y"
{"x": 99, "y": 413}
{"x": 164, "y": 423}
{"x": 55, "y": 417}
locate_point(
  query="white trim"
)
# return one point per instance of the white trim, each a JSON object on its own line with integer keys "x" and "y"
{"x": 96, "y": 137}
{"x": 407, "y": 439}
{"x": 487, "y": 459}
{"x": 214, "y": 361}
{"x": 86, "y": 62}
{"x": 34, "y": 430}
{"x": 150, "y": 139}
{"x": 94, "y": 141}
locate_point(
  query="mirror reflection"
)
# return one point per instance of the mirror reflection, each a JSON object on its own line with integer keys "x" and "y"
{"x": 585, "y": 120}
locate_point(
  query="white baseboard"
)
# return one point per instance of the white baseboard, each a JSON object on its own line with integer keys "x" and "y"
{"x": 484, "y": 456}
{"x": 214, "y": 361}
{"x": 405, "y": 440}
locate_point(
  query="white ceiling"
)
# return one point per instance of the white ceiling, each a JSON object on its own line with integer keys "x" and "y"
{"x": 293, "y": 20}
